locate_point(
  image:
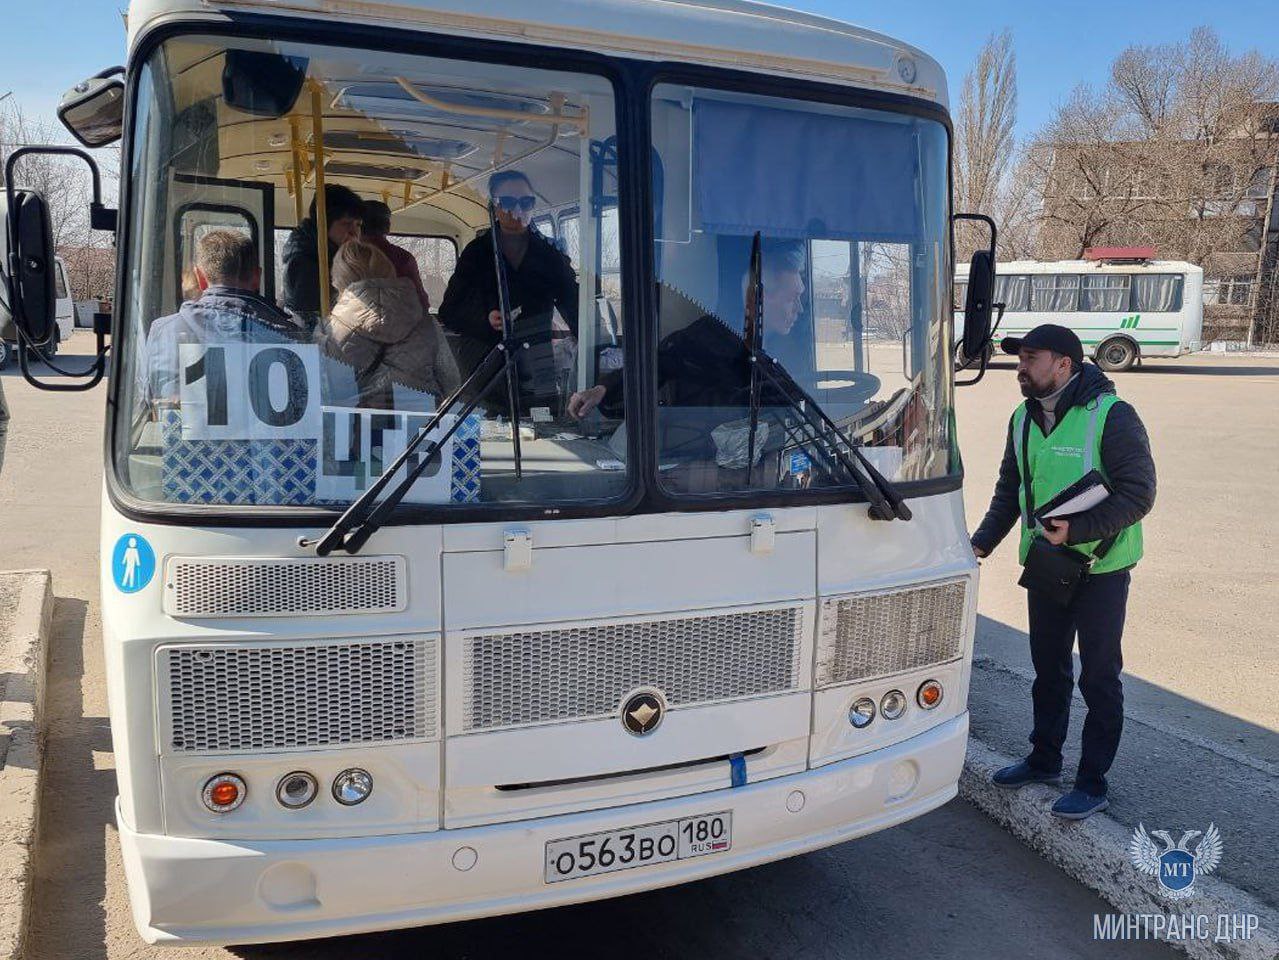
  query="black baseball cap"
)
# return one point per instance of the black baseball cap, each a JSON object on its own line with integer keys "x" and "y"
{"x": 1047, "y": 336}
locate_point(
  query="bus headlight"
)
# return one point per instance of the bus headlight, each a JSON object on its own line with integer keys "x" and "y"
{"x": 223, "y": 793}
{"x": 929, "y": 694}
{"x": 861, "y": 713}
{"x": 352, "y": 786}
{"x": 295, "y": 790}
{"x": 893, "y": 705}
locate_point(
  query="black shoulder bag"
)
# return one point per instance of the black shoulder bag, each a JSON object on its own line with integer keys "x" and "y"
{"x": 1053, "y": 571}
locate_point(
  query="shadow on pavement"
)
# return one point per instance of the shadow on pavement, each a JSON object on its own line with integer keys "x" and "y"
{"x": 1172, "y": 366}
{"x": 76, "y": 803}
{"x": 1181, "y": 764}
{"x": 1243, "y": 370}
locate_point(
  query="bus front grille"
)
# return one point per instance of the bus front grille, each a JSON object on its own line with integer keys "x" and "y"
{"x": 583, "y": 672}
{"x": 197, "y": 587}
{"x": 860, "y": 636}
{"x": 220, "y": 698}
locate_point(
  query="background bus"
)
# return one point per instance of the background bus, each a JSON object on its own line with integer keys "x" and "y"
{"x": 64, "y": 313}
{"x": 1122, "y": 311}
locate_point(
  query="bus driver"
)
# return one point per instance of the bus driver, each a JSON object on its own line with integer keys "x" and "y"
{"x": 707, "y": 364}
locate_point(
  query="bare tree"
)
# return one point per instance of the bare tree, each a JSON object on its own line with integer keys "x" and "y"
{"x": 985, "y": 143}
{"x": 1176, "y": 150}
{"x": 87, "y": 254}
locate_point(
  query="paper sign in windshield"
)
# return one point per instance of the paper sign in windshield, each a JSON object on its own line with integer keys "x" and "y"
{"x": 249, "y": 391}
{"x": 357, "y": 446}
{"x": 241, "y": 401}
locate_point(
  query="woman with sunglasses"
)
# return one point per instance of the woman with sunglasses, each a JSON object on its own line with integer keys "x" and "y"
{"x": 539, "y": 278}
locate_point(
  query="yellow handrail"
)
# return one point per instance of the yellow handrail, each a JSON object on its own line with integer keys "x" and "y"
{"x": 321, "y": 207}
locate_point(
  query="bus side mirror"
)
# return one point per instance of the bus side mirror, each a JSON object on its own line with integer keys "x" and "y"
{"x": 28, "y": 268}
{"x": 93, "y": 110}
{"x": 29, "y": 261}
{"x": 978, "y": 306}
{"x": 979, "y": 329}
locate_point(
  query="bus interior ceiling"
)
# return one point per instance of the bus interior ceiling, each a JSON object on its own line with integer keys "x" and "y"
{"x": 424, "y": 143}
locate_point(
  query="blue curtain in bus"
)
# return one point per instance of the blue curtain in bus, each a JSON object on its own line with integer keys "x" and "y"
{"x": 793, "y": 173}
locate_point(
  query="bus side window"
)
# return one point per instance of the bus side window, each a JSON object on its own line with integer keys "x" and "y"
{"x": 194, "y": 221}
{"x": 1013, "y": 292}
{"x": 569, "y": 233}
{"x": 1157, "y": 292}
{"x": 436, "y": 260}
{"x": 1054, "y": 293}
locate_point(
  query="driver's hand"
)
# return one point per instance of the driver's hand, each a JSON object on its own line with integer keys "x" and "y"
{"x": 495, "y": 320}
{"x": 584, "y": 401}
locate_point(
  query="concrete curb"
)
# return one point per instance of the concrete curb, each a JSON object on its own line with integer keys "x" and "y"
{"x": 23, "y": 660}
{"x": 1095, "y": 852}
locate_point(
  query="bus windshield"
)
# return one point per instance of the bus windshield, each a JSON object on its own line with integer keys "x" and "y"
{"x": 311, "y": 273}
{"x": 850, "y": 207}
{"x": 279, "y": 351}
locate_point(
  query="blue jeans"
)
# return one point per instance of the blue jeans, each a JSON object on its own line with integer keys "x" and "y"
{"x": 1097, "y": 615}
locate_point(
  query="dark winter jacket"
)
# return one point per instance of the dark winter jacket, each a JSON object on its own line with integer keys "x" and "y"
{"x": 302, "y": 273}
{"x": 1125, "y": 459}
{"x": 544, "y": 279}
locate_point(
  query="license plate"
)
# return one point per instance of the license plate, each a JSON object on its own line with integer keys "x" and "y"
{"x": 632, "y": 847}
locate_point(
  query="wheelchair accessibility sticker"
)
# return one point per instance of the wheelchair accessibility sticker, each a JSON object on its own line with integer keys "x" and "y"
{"x": 132, "y": 563}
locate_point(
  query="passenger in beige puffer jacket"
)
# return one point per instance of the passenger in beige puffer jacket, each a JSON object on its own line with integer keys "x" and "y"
{"x": 378, "y": 328}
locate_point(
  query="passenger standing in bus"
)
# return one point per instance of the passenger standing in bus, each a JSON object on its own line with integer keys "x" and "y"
{"x": 227, "y": 308}
{"x": 1071, "y": 424}
{"x": 344, "y": 212}
{"x": 377, "y": 224}
{"x": 379, "y": 329}
{"x": 539, "y": 278}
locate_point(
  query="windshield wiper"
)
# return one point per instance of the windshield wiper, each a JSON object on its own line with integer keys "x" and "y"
{"x": 366, "y": 514}
{"x": 886, "y": 501}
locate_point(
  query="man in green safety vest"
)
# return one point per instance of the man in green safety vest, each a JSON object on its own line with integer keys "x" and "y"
{"x": 1072, "y": 423}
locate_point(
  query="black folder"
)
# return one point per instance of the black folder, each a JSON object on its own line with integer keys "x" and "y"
{"x": 1084, "y": 494}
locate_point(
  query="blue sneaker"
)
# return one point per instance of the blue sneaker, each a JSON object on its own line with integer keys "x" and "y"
{"x": 1078, "y": 805}
{"x": 1020, "y": 774}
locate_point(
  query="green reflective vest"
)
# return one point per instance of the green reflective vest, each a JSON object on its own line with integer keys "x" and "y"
{"x": 1060, "y": 459}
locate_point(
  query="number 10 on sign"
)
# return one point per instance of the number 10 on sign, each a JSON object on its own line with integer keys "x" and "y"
{"x": 249, "y": 391}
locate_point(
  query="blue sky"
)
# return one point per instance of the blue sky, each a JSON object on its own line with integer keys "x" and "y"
{"x": 1058, "y": 44}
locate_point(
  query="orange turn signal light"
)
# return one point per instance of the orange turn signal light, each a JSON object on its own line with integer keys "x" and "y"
{"x": 223, "y": 793}
{"x": 929, "y": 694}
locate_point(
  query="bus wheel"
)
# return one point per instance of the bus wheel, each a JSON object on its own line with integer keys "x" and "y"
{"x": 4, "y": 354}
{"x": 1117, "y": 355}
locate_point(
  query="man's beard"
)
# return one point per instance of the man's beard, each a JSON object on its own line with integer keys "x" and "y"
{"x": 1030, "y": 389}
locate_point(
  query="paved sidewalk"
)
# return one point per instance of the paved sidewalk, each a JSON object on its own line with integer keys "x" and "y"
{"x": 1168, "y": 775}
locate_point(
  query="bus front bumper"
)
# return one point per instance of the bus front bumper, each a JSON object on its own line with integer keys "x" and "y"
{"x": 202, "y": 891}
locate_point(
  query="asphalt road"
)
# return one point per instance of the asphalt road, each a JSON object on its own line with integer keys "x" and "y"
{"x": 949, "y": 884}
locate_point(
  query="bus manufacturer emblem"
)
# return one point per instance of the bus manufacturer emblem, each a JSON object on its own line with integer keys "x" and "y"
{"x": 642, "y": 713}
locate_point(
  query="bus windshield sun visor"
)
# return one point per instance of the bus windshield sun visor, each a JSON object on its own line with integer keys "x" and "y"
{"x": 859, "y": 174}
{"x": 367, "y": 513}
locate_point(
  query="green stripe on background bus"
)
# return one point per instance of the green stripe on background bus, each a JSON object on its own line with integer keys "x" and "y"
{"x": 1130, "y": 323}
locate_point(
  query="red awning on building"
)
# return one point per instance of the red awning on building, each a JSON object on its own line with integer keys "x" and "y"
{"x": 1128, "y": 254}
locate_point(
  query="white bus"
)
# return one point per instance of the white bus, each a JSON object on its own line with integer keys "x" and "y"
{"x": 723, "y": 617}
{"x": 1122, "y": 311}
{"x": 64, "y": 313}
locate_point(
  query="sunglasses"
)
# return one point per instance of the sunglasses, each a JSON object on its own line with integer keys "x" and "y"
{"x": 511, "y": 204}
